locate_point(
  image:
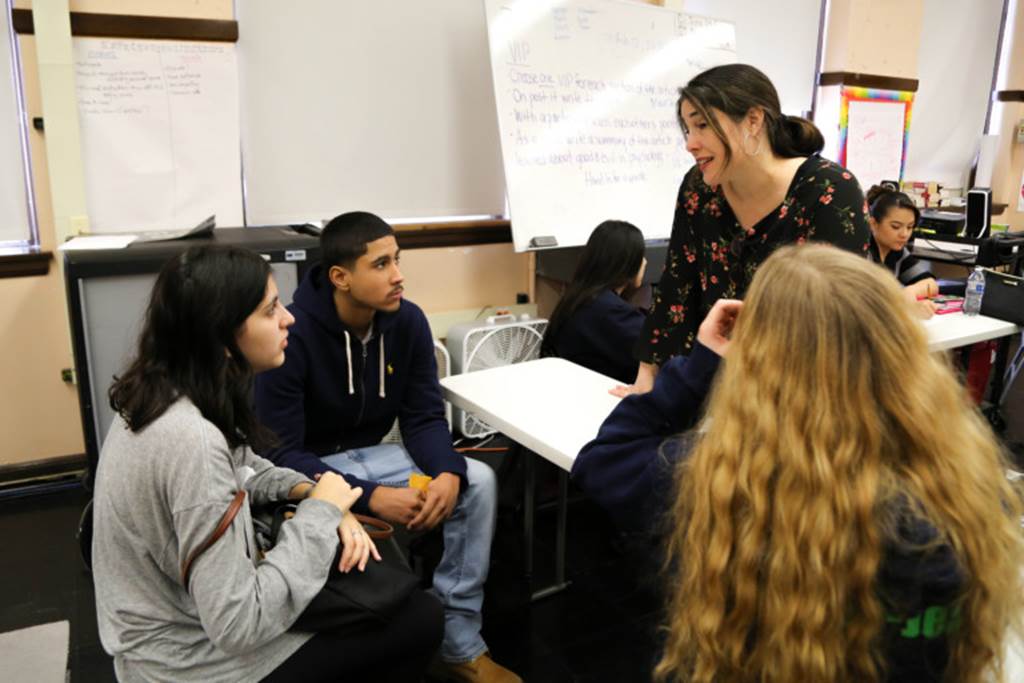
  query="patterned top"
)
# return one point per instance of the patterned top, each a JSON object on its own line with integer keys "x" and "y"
{"x": 710, "y": 256}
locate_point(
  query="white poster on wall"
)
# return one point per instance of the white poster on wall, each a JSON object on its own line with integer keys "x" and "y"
{"x": 874, "y": 141}
{"x": 160, "y": 133}
{"x": 1020, "y": 194}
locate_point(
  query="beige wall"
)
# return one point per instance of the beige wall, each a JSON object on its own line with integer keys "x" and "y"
{"x": 1009, "y": 167}
{"x": 455, "y": 278}
{"x": 38, "y": 411}
{"x": 878, "y": 37}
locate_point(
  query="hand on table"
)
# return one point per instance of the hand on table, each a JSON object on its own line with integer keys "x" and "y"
{"x": 644, "y": 382}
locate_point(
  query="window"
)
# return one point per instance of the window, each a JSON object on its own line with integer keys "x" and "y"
{"x": 18, "y": 230}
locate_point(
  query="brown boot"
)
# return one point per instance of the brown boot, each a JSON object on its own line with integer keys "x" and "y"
{"x": 483, "y": 669}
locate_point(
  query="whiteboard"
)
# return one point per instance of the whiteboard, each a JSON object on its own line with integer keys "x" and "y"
{"x": 380, "y": 106}
{"x": 874, "y": 141}
{"x": 159, "y": 133}
{"x": 586, "y": 96}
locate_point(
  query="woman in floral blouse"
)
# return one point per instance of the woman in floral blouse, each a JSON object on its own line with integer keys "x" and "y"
{"x": 758, "y": 184}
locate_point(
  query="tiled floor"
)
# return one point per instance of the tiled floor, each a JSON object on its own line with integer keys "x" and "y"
{"x": 601, "y": 629}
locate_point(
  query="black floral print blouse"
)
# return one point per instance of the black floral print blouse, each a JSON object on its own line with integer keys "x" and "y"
{"x": 710, "y": 256}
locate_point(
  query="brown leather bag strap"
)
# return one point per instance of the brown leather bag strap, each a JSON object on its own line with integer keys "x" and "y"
{"x": 222, "y": 526}
{"x": 377, "y": 529}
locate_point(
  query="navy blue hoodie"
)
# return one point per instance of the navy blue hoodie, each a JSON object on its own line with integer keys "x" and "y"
{"x": 600, "y": 335}
{"x": 333, "y": 393}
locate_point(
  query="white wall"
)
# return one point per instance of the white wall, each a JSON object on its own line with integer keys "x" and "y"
{"x": 955, "y": 62}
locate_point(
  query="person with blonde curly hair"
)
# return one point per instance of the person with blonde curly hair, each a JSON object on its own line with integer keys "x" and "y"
{"x": 842, "y": 513}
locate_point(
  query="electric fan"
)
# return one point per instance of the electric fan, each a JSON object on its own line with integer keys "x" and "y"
{"x": 444, "y": 368}
{"x": 495, "y": 341}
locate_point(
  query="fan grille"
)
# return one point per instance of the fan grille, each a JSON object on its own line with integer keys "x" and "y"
{"x": 495, "y": 348}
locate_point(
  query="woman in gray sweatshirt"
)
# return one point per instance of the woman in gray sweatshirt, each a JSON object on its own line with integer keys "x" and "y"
{"x": 179, "y": 449}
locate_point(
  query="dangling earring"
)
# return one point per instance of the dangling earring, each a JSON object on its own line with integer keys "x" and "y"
{"x": 746, "y": 137}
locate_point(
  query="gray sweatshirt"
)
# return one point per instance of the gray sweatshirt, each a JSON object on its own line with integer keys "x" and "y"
{"x": 159, "y": 494}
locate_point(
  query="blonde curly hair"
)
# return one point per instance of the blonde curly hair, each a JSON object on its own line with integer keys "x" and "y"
{"x": 828, "y": 411}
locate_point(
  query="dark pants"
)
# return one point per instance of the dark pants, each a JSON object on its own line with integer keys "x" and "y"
{"x": 397, "y": 652}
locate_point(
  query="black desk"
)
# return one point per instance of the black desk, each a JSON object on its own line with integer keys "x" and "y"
{"x": 108, "y": 291}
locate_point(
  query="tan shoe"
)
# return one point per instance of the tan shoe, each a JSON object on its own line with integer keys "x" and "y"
{"x": 483, "y": 669}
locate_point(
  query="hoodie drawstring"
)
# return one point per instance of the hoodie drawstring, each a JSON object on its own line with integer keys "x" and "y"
{"x": 381, "y": 392}
{"x": 348, "y": 359}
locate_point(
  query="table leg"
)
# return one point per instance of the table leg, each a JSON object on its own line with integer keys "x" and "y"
{"x": 561, "y": 583}
{"x": 529, "y": 504}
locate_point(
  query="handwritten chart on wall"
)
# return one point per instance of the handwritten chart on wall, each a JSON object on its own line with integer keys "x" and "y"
{"x": 873, "y": 130}
{"x": 160, "y": 133}
{"x": 586, "y": 94}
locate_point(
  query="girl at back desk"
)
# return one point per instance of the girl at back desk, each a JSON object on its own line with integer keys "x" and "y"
{"x": 594, "y": 325}
{"x": 892, "y": 217}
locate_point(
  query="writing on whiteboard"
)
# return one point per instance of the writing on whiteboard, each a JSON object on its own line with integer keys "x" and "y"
{"x": 874, "y": 140}
{"x": 586, "y": 95}
{"x": 159, "y": 129}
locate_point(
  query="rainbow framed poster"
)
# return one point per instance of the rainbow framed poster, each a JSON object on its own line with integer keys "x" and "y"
{"x": 874, "y": 127}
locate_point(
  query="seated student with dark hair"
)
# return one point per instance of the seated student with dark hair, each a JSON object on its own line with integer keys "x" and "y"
{"x": 892, "y": 217}
{"x": 594, "y": 325}
{"x": 359, "y": 356}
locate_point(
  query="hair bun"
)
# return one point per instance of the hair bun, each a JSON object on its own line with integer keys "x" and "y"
{"x": 805, "y": 136}
{"x": 876, "y": 191}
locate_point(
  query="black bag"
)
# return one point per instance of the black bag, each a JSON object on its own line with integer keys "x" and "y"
{"x": 370, "y": 596}
{"x": 1003, "y": 297}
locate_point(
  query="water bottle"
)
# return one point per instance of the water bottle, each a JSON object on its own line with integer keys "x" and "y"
{"x": 975, "y": 290}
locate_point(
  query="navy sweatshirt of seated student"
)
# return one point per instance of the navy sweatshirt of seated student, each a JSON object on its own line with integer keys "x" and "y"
{"x": 334, "y": 393}
{"x": 629, "y": 468}
{"x": 600, "y": 335}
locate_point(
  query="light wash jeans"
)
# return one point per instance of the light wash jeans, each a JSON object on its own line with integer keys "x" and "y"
{"x": 459, "y": 577}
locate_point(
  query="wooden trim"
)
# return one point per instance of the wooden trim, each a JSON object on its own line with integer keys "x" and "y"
{"x": 27, "y": 264}
{"x": 454, "y": 234}
{"x": 46, "y": 468}
{"x": 1010, "y": 95}
{"x": 860, "y": 80}
{"x": 135, "y": 26}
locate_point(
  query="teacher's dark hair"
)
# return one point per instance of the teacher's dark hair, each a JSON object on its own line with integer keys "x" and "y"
{"x": 187, "y": 346}
{"x": 611, "y": 259}
{"x": 881, "y": 200}
{"x": 734, "y": 89}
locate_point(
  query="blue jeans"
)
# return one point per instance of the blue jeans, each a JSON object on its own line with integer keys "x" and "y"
{"x": 459, "y": 578}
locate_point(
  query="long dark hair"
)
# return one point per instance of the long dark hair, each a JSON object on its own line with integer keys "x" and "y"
{"x": 611, "y": 259}
{"x": 881, "y": 200}
{"x": 734, "y": 89}
{"x": 187, "y": 345}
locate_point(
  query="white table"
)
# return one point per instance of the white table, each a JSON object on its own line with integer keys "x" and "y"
{"x": 554, "y": 408}
{"x": 549, "y": 406}
{"x": 956, "y": 329}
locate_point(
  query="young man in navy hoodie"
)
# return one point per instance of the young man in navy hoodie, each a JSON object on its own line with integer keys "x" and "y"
{"x": 358, "y": 357}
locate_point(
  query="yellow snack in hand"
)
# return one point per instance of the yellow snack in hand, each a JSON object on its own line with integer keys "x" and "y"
{"x": 419, "y": 481}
